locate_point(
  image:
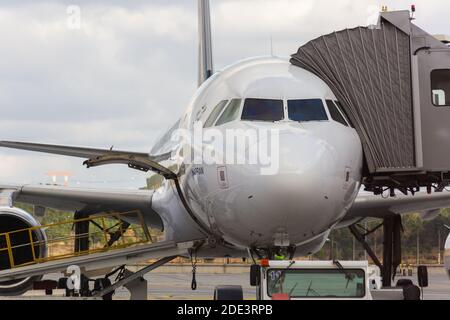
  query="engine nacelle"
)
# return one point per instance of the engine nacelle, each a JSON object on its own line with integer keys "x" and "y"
{"x": 14, "y": 219}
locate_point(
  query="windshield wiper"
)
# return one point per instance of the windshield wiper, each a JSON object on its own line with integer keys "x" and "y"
{"x": 349, "y": 276}
{"x": 292, "y": 290}
{"x": 310, "y": 289}
{"x": 278, "y": 280}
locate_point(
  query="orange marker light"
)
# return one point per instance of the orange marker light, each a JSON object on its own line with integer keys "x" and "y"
{"x": 265, "y": 263}
{"x": 281, "y": 297}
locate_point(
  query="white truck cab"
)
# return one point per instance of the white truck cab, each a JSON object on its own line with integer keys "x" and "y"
{"x": 314, "y": 280}
{"x": 321, "y": 280}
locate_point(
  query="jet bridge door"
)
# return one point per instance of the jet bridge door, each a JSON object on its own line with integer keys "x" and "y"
{"x": 434, "y": 82}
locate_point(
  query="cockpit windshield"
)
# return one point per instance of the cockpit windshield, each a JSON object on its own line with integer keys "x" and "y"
{"x": 307, "y": 110}
{"x": 263, "y": 110}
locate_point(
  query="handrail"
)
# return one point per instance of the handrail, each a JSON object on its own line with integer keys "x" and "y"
{"x": 141, "y": 235}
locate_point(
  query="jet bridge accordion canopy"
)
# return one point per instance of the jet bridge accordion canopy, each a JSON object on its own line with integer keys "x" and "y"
{"x": 381, "y": 76}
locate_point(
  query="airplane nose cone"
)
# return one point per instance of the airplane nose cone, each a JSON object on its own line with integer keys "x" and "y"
{"x": 303, "y": 154}
{"x": 295, "y": 198}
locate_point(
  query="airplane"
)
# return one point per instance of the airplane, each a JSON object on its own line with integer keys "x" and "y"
{"x": 241, "y": 208}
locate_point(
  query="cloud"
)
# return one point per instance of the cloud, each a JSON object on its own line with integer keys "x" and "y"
{"x": 129, "y": 72}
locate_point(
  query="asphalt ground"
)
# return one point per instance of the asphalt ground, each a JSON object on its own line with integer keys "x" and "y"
{"x": 178, "y": 286}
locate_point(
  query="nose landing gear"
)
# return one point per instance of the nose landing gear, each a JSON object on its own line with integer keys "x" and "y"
{"x": 276, "y": 253}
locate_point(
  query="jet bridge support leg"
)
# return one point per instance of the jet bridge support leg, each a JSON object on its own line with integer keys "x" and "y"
{"x": 392, "y": 248}
{"x": 361, "y": 239}
{"x": 392, "y": 251}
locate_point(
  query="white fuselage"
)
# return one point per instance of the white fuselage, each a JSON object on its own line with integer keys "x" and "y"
{"x": 314, "y": 182}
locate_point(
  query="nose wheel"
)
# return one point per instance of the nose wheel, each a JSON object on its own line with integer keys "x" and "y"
{"x": 275, "y": 253}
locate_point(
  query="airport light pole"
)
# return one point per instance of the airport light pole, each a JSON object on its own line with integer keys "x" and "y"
{"x": 331, "y": 249}
{"x": 365, "y": 239}
{"x": 354, "y": 258}
{"x": 439, "y": 245}
{"x": 418, "y": 248}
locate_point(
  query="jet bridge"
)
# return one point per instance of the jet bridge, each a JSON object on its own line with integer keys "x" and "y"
{"x": 393, "y": 82}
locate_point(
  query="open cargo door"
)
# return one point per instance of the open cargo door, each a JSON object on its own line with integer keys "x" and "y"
{"x": 393, "y": 81}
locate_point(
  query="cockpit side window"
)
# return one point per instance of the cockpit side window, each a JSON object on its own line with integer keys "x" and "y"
{"x": 341, "y": 108}
{"x": 215, "y": 113}
{"x": 335, "y": 113}
{"x": 263, "y": 110}
{"x": 307, "y": 110}
{"x": 231, "y": 113}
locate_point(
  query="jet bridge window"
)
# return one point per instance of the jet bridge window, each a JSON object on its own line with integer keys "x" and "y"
{"x": 231, "y": 113}
{"x": 440, "y": 86}
{"x": 263, "y": 110}
{"x": 307, "y": 110}
{"x": 215, "y": 113}
{"x": 335, "y": 113}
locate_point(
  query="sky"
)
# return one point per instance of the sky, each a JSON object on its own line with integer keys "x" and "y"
{"x": 102, "y": 73}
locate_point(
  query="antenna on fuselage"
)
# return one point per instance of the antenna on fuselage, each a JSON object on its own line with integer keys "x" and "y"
{"x": 205, "y": 57}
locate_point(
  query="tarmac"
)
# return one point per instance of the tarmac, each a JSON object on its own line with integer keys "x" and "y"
{"x": 177, "y": 286}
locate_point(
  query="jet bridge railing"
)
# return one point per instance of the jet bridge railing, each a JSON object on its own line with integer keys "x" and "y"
{"x": 107, "y": 232}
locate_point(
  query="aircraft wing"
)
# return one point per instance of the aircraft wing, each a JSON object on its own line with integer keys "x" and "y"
{"x": 87, "y": 200}
{"x": 371, "y": 206}
{"x": 79, "y": 152}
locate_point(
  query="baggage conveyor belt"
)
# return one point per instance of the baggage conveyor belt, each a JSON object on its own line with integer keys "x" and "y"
{"x": 99, "y": 261}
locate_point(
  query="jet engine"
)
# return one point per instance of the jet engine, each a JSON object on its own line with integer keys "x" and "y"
{"x": 15, "y": 219}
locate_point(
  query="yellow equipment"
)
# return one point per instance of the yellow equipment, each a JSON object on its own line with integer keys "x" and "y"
{"x": 107, "y": 231}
